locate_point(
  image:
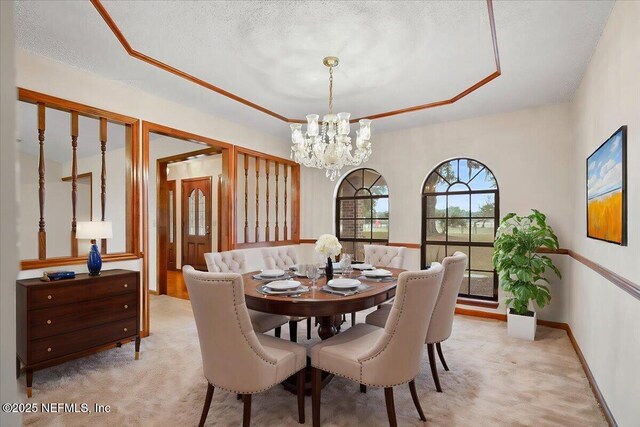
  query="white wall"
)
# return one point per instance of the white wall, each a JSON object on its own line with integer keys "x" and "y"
{"x": 58, "y": 79}
{"x": 8, "y": 211}
{"x": 527, "y": 150}
{"x": 604, "y": 319}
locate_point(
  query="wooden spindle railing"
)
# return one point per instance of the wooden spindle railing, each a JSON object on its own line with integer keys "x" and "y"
{"x": 257, "y": 200}
{"x": 42, "y": 233}
{"x": 277, "y": 227}
{"x": 246, "y": 198}
{"x": 103, "y": 177}
{"x": 266, "y": 229}
{"x": 74, "y": 181}
{"x": 286, "y": 175}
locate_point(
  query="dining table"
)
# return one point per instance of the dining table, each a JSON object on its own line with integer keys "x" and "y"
{"x": 327, "y": 308}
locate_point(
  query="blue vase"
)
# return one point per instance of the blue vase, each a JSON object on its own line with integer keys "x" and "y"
{"x": 94, "y": 262}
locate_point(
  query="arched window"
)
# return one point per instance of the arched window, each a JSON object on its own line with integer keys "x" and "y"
{"x": 362, "y": 211}
{"x": 460, "y": 213}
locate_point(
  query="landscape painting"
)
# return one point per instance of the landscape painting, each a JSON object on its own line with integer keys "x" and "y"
{"x": 606, "y": 192}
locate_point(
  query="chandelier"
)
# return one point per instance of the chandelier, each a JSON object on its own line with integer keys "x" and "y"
{"x": 327, "y": 145}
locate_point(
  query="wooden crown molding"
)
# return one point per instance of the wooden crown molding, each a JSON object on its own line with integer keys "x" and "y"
{"x": 200, "y": 82}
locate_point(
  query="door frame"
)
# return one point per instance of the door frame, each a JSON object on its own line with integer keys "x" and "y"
{"x": 184, "y": 218}
{"x": 224, "y": 227}
{"x": 171, "y": 212}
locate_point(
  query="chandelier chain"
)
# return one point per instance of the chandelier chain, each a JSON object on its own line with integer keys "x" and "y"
{"x": 331, "y": 90}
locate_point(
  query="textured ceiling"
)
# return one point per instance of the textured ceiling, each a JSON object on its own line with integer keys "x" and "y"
{"x": 393, "y": 54}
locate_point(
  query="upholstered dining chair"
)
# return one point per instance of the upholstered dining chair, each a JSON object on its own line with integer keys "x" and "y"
{"x": 234, "y": 262}
{"x": 382, "y": 256}
{"x": 442, "y": 319}
{"x": 234, "y": 357}
{"x": 284, "y": 257}
{"x": 383, "y": 357}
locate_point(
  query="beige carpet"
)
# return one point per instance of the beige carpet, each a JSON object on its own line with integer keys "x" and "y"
{"x": 494, "y": 381}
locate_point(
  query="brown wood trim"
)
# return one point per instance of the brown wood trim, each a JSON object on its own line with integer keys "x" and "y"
{"x": 265, "y": 156}
{"x": 483, "y": 314}
{"x": 267, "y": 231}
{"x": 307, "y": 241}
{"x": 405, "y": 245}
{"x": 625, "y": 284}
{"x": 33, "y": 97}
{"x": 608, "y": 415}
{"x": 170, "y": 69}
{"x": 552, "y": 251}
{"x": 477, "y": 302}
{"x": 33, "y": 264}
{"x": 185, "y": 156}
{"x": 265, "y": 244}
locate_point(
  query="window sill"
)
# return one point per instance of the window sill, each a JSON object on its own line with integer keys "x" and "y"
{"x": 477, "y": 302}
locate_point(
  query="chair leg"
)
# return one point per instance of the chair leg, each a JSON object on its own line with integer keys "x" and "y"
{"x": 353, "y": 319}
{"x": 246, "y": 413}
{"x": 207, "y": 404}
{"x": 278, "y": 332}
{"x": 301, "y": 380}
{"x": 316, "y": 390}
{"x": 308, "y": 328}
{"x": 416, "y": 401}
{"x": 293, "y": 331}
{"x": 391, "y": 409}
{"x": 363, "y": 388}
{"x": 441, "y": 356}
{"x": 434, "y": 369}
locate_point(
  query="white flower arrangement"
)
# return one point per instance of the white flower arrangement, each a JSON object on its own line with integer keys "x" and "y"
{"x": 328, "y": 245}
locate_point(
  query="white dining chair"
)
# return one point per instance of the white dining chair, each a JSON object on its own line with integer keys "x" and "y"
{"x": 441, "y": 323}
{"x": 234, "y": 262}
{"x": 382, "y": 357}
{"x": 234, "y": 357}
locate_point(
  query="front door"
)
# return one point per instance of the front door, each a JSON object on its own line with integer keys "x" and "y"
{"x": 196, "y": 221}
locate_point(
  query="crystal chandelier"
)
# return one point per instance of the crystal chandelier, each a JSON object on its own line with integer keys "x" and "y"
{"x": 327, "y": 145}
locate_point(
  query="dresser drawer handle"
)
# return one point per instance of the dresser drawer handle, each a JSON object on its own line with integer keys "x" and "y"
{"x": 126, "y": 306}
{"x": 126, "y": 285}
{"x": 49, "y": 349}
{"x": 48, "y": 322}
{"x": 125, "y": 329}
{"x": 49, "y": 297}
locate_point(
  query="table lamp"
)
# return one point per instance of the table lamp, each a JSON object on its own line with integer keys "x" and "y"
{"x": 94, "y": 230}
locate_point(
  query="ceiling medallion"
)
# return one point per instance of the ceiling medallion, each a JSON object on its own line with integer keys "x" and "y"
{"x": 327, "y": 145}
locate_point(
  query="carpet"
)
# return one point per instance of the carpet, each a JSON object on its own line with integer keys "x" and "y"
{"x": 494, "y": 380}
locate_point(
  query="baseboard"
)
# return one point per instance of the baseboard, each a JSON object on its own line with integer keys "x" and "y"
{"x": 564, "y": 326}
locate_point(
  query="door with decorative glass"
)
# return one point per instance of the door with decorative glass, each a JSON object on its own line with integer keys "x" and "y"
{"x": 196, "y": 221}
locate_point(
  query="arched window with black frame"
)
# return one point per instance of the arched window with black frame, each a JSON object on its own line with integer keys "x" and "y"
{"x": 460, "y": 201}
{"x": 362, "y": 211}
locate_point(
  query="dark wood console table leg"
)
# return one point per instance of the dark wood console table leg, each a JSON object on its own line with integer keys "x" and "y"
{"x": 29, "y": 381}
{"x": 17, "y": 367}
{"x": 137, "y": 347}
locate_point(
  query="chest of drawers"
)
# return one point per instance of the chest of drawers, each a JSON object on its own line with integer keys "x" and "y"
{"x": 67, "y": 319}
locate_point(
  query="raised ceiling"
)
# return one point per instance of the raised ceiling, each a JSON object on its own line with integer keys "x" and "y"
{"x": 392, "y": 54}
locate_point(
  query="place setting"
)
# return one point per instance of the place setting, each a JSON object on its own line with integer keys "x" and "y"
{"x": 378, "y": 275}
{"x": 345, "y": 287}
{"x": 283, "y": 288}
{"x": 272, "y": 274}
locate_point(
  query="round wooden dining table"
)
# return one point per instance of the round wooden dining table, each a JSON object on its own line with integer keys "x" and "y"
{"x": 327, "y": 308}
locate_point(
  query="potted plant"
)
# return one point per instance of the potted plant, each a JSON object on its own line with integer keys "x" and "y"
{"x": 521, "y": 268}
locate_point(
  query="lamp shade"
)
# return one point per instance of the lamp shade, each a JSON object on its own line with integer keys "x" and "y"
{"x": 94, "y": 230}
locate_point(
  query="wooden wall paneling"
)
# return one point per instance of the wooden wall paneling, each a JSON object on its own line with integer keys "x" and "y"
{"x": 162, "y": 221}
{"x": 42, "y": 233}
{"x": 74, "y": 181}
{"x": 285, "y": 229}
{"x": 277, "y": 226}
{"x": 257, "y": 167}
{"x": 267, "y": 169}
{"x": 246, "y": 198}
{"x": 103, "y": 177}
{"x": 295, "y": 203}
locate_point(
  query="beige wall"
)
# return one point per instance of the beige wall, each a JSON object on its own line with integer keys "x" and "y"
{"x": 8, "y": 210}
{"x": 604, "y": 319}
{"x": 527, "y": 150}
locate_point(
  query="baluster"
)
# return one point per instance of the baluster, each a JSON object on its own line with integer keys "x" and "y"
{"x": 257, "y": 199}
{"x": 266, "y": 230}
{"x": 246, "y": 198}
{"x": 42, "y": 234}
{"x": 74, "y": 181}
{"x": 103, "y": 176}
{"x": 277, "y": 229}
{"x": 286, "y": 175}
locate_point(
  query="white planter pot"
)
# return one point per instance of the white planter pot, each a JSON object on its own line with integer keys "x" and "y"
{"x": 523, "y": 327}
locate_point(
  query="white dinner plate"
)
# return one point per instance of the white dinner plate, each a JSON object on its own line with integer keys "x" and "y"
{"x": 379, "y": 272}
{"x": 343, "y": 283}
{"x": 283, "y": 285}
{"x": 362, "y": 266}
{"x": 272, "y": 273}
